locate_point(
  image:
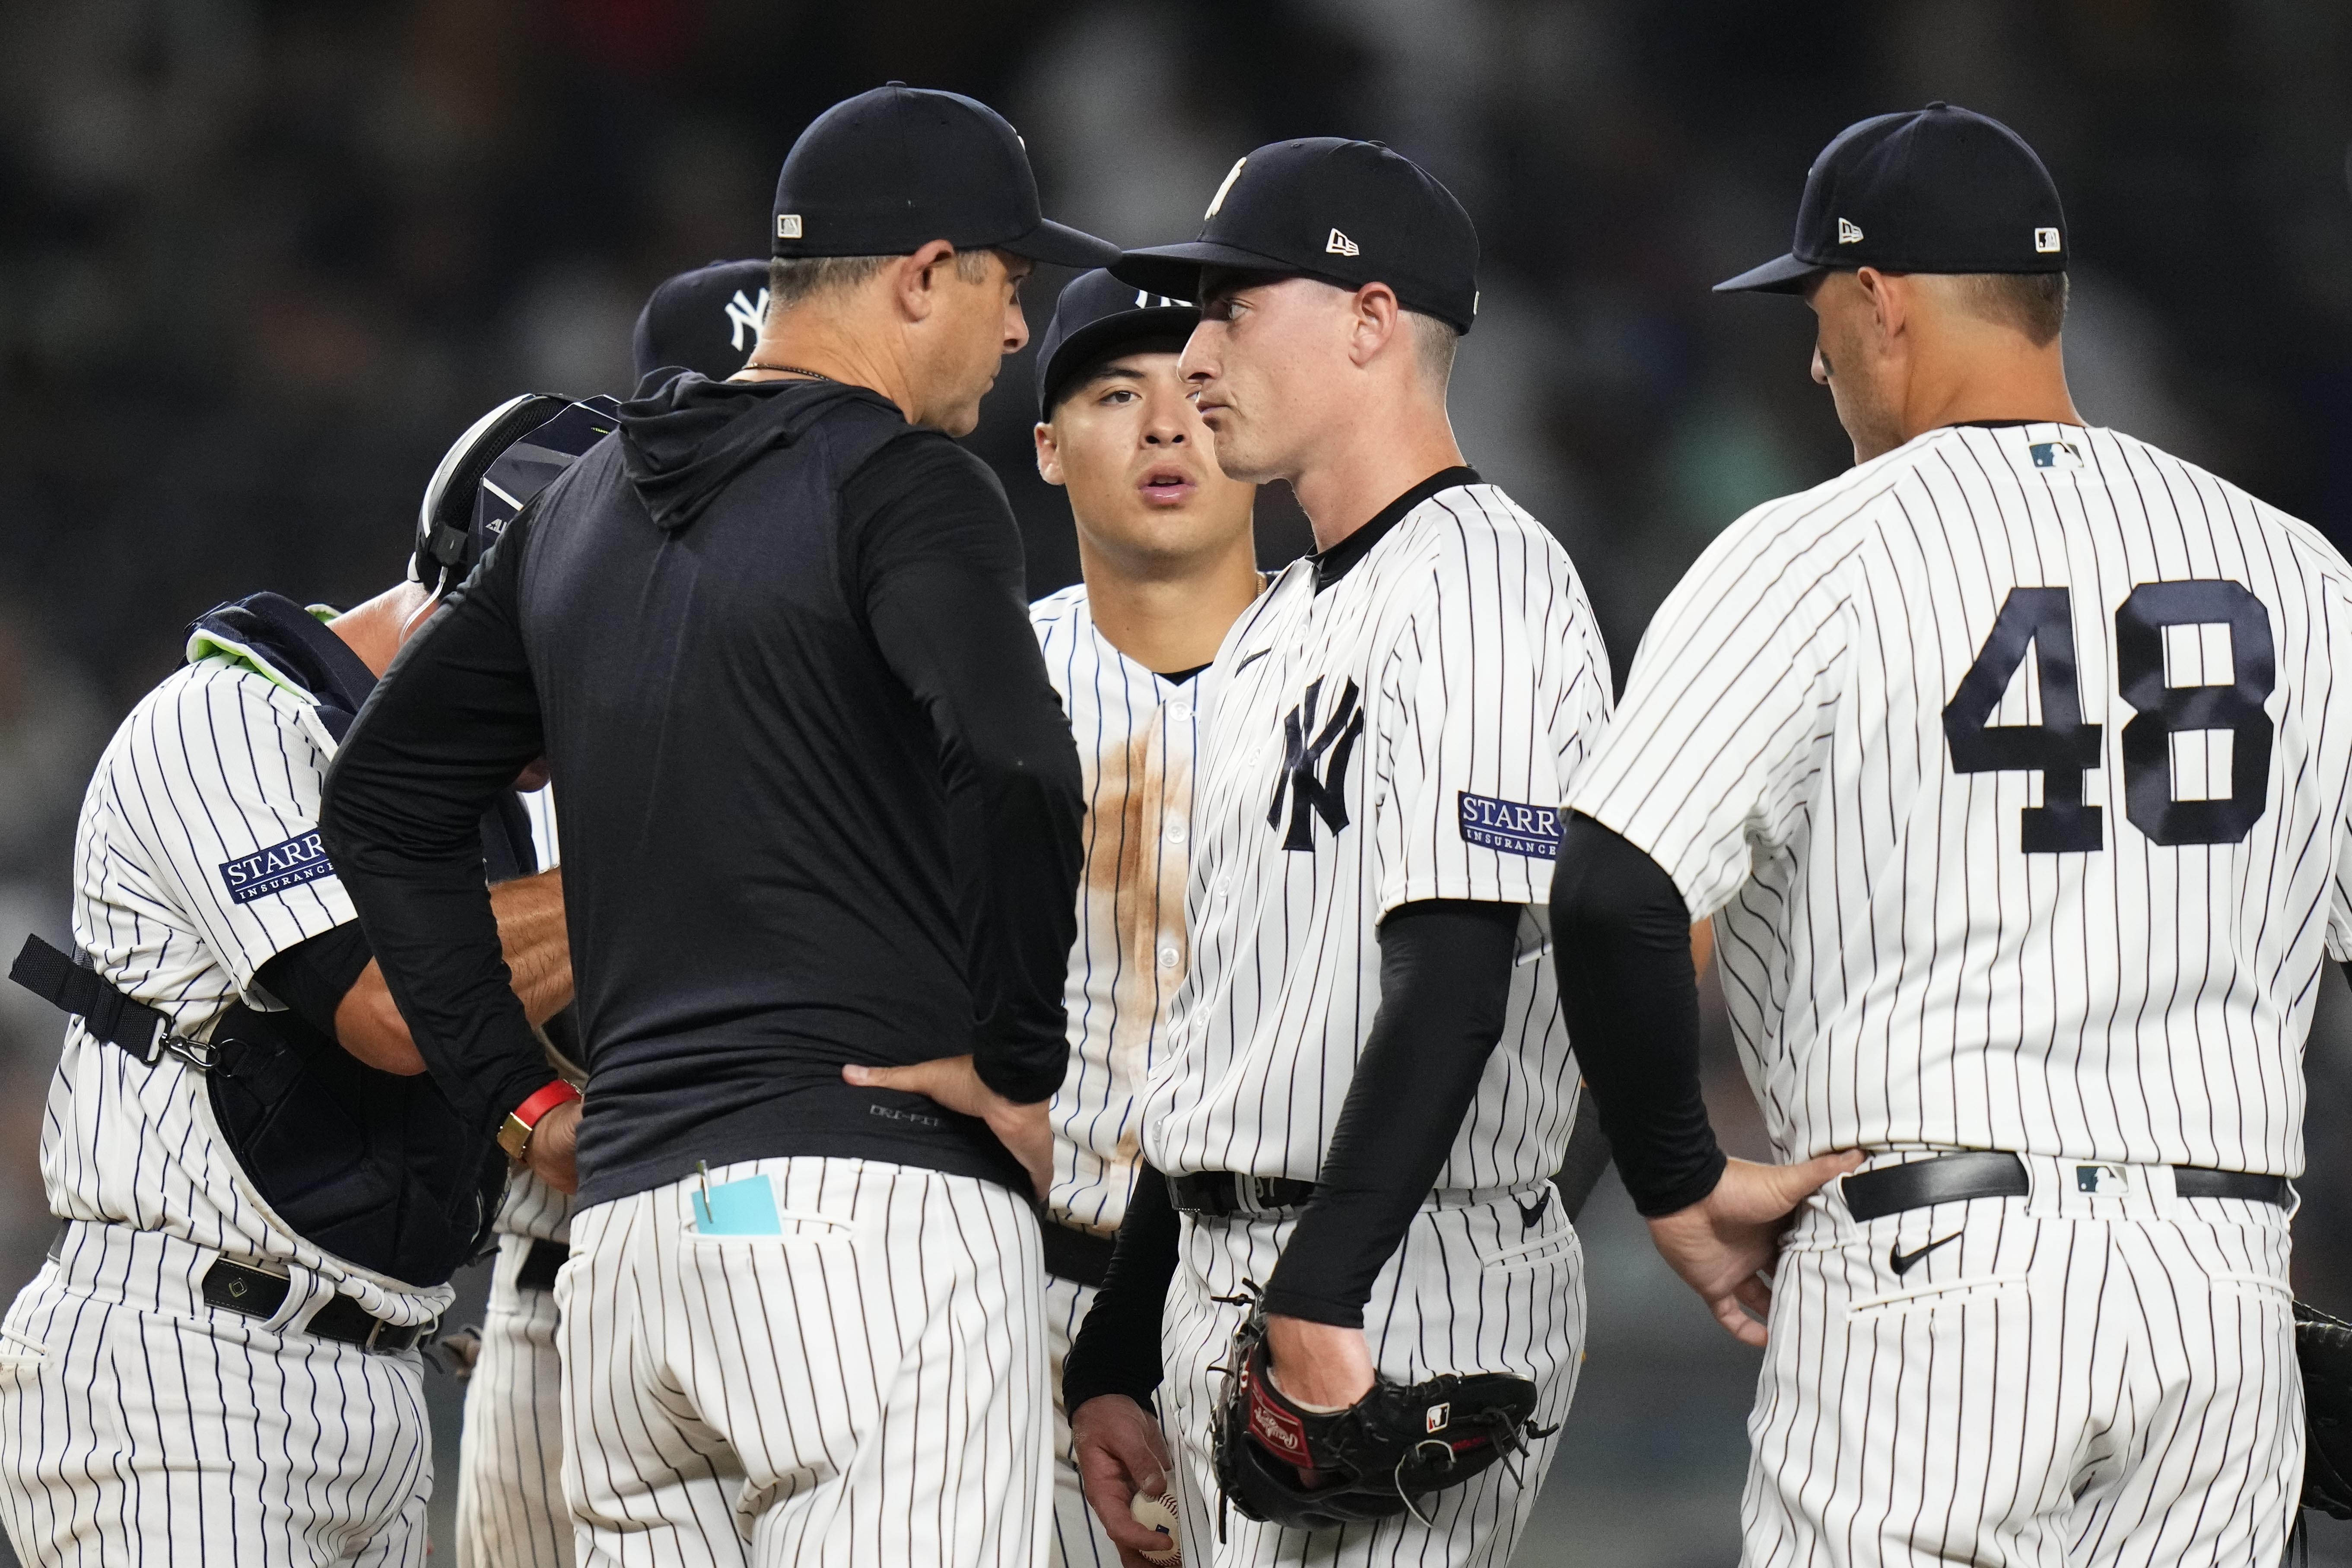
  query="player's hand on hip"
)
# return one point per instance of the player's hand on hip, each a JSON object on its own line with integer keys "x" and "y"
{"x": 1723, "y": 1244}
{"x": 953, "y": 1082}
{"x": 554, "y": 1144}
{"x": 1121, "y": 1455}
{"x": 1317, "y": 1364}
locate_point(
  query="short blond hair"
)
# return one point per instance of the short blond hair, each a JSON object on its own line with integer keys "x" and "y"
{"x": 1434, "y": 342}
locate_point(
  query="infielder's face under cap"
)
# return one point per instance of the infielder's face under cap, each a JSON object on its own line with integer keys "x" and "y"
{"x": 1345, "y": 213}
{"x": 1941, "y": 189}
{"x": 890, "y": 171}
{"x": 1097, "y": 315}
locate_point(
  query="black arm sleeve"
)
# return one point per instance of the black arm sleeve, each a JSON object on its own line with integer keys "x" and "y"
{"x": 314, "y": 975}
{"x": 1631, "y": 996}
{"x": 939, "y": 569}
{"x": 449, "y": 725}
{"x": 1445, "y": 981}
{"x": 1118, "y": 1347}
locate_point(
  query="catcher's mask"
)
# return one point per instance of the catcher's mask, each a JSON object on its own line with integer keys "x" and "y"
{"x": 483, "y": 482}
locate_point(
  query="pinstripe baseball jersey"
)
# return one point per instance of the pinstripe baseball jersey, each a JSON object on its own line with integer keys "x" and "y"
{"x": 1404, "y": 733}
{"x": 197, "y": 861}
{"x": 1137, "y": 732}
{"x": 531, "y": 1207}
{"x": 2012, "y": 768}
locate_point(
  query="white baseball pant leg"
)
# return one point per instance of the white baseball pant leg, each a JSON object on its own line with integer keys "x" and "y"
{"x": 510, "y": 1508}
{"x": 1473, "y": 1288}
{"x": 869, "y": 1387}
{"x": 2064, "y": 1381}
{"x": 139, "y": 1425}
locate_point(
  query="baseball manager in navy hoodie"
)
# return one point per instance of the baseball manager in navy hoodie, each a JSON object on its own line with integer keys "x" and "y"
{"x": 820, "y": 814}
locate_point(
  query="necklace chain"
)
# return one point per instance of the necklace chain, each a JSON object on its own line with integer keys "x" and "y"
{"x": 789, "y": 370}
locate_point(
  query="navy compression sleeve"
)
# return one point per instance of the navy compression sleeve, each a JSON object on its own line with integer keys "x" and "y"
{"x": 1631, "y": 997}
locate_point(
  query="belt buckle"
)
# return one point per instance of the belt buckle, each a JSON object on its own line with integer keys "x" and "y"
{"x": 1256, "y": 1195}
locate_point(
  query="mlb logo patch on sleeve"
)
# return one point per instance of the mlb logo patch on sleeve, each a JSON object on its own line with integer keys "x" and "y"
{"x": 1514, "y": 828}
{"x": 298, "y": 860}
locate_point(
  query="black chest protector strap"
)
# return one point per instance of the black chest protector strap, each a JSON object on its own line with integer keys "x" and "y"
{"x": 60, "y": 980}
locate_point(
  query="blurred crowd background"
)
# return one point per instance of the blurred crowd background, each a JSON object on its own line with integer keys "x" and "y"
{"x": 262, "y": 260}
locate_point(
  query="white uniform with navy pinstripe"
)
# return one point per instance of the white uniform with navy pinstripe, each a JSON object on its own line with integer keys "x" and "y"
{"x": 510, "y": 1508}
{"x": 136, "y": 1423}
{"x": 2013, "y": 769}
{"x": 1406, "y": 734}
{"x": 1136, "y": 733}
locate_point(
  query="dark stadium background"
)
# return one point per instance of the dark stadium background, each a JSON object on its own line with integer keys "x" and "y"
{"x": 259, "y": 262}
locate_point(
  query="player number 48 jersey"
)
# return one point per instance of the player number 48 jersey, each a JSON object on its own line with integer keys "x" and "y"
{"x": 1407, "y": 732}
{"x": 2016, "y": 763}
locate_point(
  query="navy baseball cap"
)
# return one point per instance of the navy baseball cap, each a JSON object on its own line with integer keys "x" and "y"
{"x": 1942, "y": 189}
{"x": 705, "y": 320}
{"x": 1345, "y": 213}
{"x": 1097, "y": 316}
{"x": 890, "y": 171}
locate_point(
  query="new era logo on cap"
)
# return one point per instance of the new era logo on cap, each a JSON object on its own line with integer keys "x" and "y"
{"x": 1848, "y": 234}
{"x": 1341, "y": 244}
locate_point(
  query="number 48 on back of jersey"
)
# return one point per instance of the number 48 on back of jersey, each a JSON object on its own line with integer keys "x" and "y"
{"x": 2062, "y": 747}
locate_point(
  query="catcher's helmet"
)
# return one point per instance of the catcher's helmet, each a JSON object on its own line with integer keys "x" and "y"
{"x": 505, "y": 457}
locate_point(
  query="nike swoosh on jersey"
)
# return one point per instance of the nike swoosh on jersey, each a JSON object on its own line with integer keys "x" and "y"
{"x": 1901, "y": 1261}
{"x": 1529, "y": 1214}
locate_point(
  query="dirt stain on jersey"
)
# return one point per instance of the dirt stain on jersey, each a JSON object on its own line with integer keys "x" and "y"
{"x": 1135, "y": 870}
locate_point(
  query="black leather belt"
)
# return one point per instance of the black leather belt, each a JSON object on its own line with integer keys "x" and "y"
{"x": 541, "y": 1264}
{"x": 1078, "y": 1256}
{"x": 257, "y": 1293}
{"x": 1222, "y": 1194}
{"x": 1955, "y": 1178}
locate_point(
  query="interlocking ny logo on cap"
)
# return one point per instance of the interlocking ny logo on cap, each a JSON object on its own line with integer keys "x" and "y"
{"x": 1219, "y": 199}
{"x": 2045, "y": 241}
{"x": 788, "y": 226}
{"x": 1847, "y": 233}
{"x": 1341, "y": 244}
{"x": 743, "y": 316}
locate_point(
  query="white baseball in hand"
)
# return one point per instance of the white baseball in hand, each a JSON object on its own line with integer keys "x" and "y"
{"x": 1157, "y": 1513}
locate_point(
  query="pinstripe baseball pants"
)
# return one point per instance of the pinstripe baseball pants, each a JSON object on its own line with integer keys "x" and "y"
{"x": 510, "y": 1508}
{"x": 867, "y": 1387}
{"x": 1476, "y": 1287}
{"x": 2058, "y": 1380}
{"x": 138, "y": 1425}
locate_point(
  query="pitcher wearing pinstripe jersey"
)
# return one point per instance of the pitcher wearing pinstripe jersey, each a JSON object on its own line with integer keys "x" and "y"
{"x": 2013, "y": 768}
{"x": 1365, "y": 1086}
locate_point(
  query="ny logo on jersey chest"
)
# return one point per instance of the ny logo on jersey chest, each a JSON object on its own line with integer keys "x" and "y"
{"x": 1312, "y": 795}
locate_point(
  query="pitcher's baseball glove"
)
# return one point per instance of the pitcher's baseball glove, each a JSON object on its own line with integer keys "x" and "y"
{"x": 2323, "y": 1347}
{"x": 1369, "y": 1460}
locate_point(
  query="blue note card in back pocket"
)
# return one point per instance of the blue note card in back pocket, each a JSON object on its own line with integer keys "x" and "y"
{"x": 746, "y": 1208}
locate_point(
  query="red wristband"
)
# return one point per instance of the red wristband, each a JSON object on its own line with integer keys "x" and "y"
{"x": 514, "y": 1133}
